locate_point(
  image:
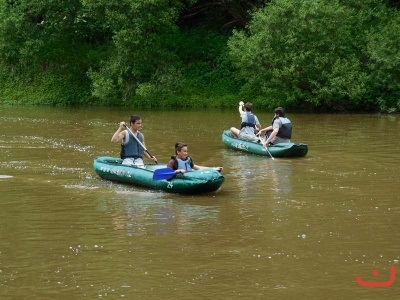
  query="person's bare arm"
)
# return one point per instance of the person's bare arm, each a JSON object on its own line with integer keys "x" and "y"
{"x": 264, "y": 129}
{"x": 196, "y": 167}
{"x": 271, "y": 136}
{"x": 241, "y": 107}
{"x": 119, "y": 135}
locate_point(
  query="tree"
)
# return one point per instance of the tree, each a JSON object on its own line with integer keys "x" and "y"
{"x": 140, "y": 60}
{"x": 383, "y": 45}
{"x": 219, "y": 15}
{"x": 39, "y": 34}
{"x": 308, "y": 53}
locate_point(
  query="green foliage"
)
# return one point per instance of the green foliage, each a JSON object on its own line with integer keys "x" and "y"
{"x": 341, "y": 55}
{"x": 45, "y": 52}
{"x": 206, "y": 69}
{"x": 38, "y": 34}
{"x": 383, "y": 48}
{"x": 309, "y": 53}
{"x": 141, "y": 61}
{"x": 44, "y": 89}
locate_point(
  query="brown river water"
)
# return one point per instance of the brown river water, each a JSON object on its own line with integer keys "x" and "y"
{"x": 277, "y": 229}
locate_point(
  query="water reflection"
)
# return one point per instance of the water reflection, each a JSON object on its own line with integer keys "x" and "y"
{"x": 139, "y": 213}
{"x": 255, "y": 175}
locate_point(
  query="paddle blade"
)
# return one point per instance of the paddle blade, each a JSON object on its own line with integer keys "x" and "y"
{"x": 165, "y": 173}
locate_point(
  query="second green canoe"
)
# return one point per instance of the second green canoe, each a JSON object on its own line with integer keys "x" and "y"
{"x": 278, "y": 150}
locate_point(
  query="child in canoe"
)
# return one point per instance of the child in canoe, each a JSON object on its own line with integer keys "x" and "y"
{"x": 182, "y": 163}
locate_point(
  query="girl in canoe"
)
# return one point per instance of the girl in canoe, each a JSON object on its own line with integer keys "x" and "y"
{"x": 182, "y": 163}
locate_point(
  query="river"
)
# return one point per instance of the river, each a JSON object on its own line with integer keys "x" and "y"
{"x": 277, "y": 229}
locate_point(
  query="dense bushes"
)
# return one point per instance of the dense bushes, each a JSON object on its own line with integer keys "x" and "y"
{"x": 321, "y": 54}
{"x": 313, "y": 55}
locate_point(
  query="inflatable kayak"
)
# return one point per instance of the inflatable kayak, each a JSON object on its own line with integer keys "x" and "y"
{"x": 159, "y": 177}
{"x": 278, "y": 150}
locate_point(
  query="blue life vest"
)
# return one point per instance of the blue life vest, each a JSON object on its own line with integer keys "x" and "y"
{"x": 183, "y": 164}
{"x": 132, "y": 148}
{"x": 250, "y": 121}
{"x": 285, "y": 131}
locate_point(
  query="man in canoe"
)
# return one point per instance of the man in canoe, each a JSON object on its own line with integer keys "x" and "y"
{"x": 132, "y": 142}
{"x": 280, "y": 131}
{"x": 182, "y": 162}
{"x": 249, "y": 124}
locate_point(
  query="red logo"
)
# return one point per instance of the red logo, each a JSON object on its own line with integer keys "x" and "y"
{"x": 378, "y": 283}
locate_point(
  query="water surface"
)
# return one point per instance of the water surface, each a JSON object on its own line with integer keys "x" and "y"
{"x": 277, "y": 229}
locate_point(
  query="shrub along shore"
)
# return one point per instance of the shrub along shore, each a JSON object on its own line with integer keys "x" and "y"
{"x": 304, "y": 55}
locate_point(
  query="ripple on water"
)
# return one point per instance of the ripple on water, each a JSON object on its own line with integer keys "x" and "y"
{"x": 82, "y": 187}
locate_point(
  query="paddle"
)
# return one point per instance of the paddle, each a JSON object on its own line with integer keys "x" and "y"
{"x": 165, "y": 173}
{"x": 270, "y": 153}
{"x": 267, "y": 149}
{"x": 140, "y": 143}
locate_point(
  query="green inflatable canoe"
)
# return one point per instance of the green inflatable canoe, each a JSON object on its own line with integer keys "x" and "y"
{"x": 278, "y": 150}
{"x": 196, "y": 182}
